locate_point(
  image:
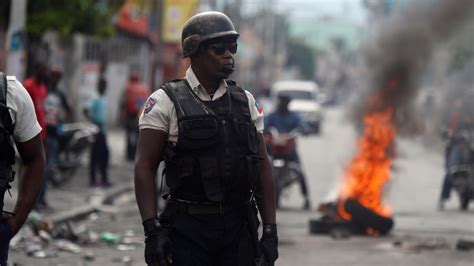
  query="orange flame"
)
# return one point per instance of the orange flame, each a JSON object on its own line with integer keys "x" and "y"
{"x": 369, "y": 170}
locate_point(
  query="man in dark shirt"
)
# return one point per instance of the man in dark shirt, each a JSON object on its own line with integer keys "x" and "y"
{"x": 286, "y": 121}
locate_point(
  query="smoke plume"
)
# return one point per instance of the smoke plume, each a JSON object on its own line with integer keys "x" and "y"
{"x": 398, "y": 54}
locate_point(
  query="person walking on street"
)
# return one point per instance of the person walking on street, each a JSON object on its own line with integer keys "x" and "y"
{"x": 56, "y": 109}
{"x": 460, "y": 127}
{"x": 36, "y": 85}
{"x": 209, "y": 132}
{"x": 18, "y": 127}
{"x": 133, "y": 101}
{"x": 286, "y": 121}
{"x": 99, "y": 159}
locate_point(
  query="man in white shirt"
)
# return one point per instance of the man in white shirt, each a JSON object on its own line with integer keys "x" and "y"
{"x": 18, "y": 122}
{"x": 208, "y": 130}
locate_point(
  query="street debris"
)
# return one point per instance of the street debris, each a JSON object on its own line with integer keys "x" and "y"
{"x": 64, "y": 245}
{"x": 123, "y": 247}
{"x": 110, "y": 237}
{"x": 340, "y": 233}
{"x": 93, "y": 216}
{"x": 465, "y": 245}
{"x": 39, "y": 238}
{"x": 420, "y": 245}
{"x": 89, "y": 255}
{"x": 127, "y": 260}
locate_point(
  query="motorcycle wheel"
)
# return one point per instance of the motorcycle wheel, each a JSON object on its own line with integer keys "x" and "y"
{"x": 54, "y": 178}
{"x": 284, "y": 178}
{"x": 60, "y": 176}
{"x": 464, "y": 201}
{"x": 66, "y": 167}
{"x": 278, "y": 186}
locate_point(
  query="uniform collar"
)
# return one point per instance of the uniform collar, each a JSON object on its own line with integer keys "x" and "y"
{"x": 199, "y": 89}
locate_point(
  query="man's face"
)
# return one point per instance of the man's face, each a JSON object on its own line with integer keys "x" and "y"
{"x": 283, "y": 103}
{"x": 218, "y": 57}
{"x": 54, "y": 77}
{"x": 42, "y": 73}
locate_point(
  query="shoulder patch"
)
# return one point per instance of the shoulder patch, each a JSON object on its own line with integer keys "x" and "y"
{"x": 150, "y": 103}
{"x": 259, "y": 108}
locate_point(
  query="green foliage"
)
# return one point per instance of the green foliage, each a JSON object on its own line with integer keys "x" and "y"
{"x": 302, "y": 56}
{"x": 90, "y": 17}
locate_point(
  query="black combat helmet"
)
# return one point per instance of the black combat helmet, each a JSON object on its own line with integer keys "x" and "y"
{"x": 205, "y": 26}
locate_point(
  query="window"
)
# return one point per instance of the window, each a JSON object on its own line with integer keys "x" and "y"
{"x": 297, "y": 94}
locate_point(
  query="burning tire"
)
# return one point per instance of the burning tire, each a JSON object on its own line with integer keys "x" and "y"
{"x": 328, "y": 226}
{"x": 367, "y": 218}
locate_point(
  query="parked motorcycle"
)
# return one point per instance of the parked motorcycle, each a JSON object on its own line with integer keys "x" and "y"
{"x": 74, "y": 140}
{"x": 461, "y": 174}
{"x": 281, "y": 147}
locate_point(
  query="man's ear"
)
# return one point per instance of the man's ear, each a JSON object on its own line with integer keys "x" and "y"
{"x": 197, "y": 55}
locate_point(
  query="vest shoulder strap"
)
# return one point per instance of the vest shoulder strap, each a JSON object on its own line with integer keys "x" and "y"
{"x": 238, "y": 93}
{"x": 186, "y": 102}
{"x": 7, "y": 156}
{"x": 5, "y": 119}
{"x": 3, "y": 88}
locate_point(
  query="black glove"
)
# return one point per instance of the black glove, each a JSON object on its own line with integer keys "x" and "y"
{"x": 157, "y": 243}
{"x": 269, "y": 244}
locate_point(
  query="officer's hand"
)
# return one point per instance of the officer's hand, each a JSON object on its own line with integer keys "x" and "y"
{"x": 12, "y": 222}
{"x": 269, "y": 243}
{"x": 157, "y": 243}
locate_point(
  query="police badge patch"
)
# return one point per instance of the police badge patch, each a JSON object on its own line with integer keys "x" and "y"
{"x": 149, "y": 105}
{"x": 259, "y": 108}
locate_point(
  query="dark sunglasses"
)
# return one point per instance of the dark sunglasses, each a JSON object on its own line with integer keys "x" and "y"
{"x": 220, "y": 48}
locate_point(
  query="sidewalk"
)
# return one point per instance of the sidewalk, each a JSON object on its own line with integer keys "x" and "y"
{"x": 76, "y": 198}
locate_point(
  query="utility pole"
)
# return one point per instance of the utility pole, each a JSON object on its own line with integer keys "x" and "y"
{"x": 16, "y": 39}
{"x": 157, "y": 64}
{"x": 269, "y": 39}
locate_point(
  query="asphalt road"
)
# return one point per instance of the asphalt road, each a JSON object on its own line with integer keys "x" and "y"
{"x": 422, "y": 235}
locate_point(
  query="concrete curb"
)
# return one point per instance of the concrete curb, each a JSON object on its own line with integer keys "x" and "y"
{"x": 80, "y": 212}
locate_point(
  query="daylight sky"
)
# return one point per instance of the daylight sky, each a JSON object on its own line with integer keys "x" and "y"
{"x": 349, "y": 9}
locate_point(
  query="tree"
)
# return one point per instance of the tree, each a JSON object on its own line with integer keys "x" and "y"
{"x": 90, "y": 17}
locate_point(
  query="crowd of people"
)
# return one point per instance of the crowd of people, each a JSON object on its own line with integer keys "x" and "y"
{"x": 52, "y": 110}
{"x": 33, "y": 114}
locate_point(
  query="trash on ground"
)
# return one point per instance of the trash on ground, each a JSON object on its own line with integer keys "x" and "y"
{"x": 64, "y": 245}
{"x": 110, "y": 237}
{"x": 465, "y": 245}
{"x": 123, "y": 247}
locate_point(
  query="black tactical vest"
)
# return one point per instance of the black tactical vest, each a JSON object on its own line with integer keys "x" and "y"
{"x": 7, "y": 152}
{"x": 215, "y": 158}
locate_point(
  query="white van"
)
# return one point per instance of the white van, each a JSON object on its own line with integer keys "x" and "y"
{"x": 304, "y": 100}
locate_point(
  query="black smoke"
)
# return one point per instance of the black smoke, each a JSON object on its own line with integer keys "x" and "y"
{"x": 399, "y": 53}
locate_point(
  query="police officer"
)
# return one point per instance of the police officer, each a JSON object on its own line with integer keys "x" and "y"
{"x": 208, "y": 130}
{"x": 18, "y": 122}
